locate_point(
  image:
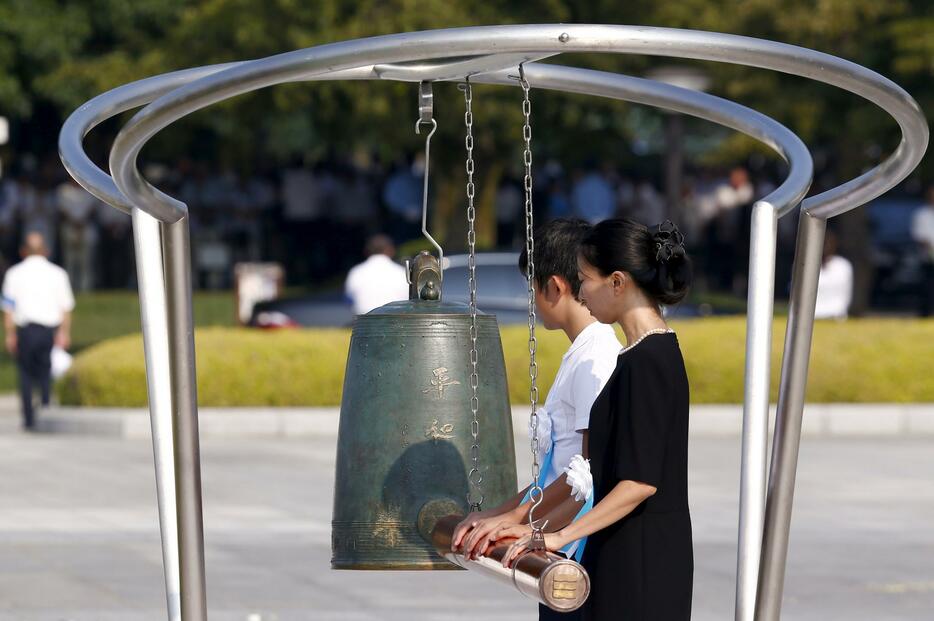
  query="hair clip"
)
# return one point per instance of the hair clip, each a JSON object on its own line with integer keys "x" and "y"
{"x": 669, "y": 241}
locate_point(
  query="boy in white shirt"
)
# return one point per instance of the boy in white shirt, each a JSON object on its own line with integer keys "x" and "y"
{"x": 565, "y": 416}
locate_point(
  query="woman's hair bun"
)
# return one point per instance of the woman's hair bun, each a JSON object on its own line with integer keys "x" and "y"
{"x": 654, "y": 256}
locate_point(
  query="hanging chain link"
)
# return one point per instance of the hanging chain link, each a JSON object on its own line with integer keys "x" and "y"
{"x": 475, "y": 477}
{"x": 536, "y": 491}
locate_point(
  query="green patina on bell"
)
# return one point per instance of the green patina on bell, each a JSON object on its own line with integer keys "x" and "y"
{"x": 404, "y": 444}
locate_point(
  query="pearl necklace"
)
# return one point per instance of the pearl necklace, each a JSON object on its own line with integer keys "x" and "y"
{"x": 649, "y": 333}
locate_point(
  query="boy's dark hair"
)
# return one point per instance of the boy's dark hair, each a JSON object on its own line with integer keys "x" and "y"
{"x": 557, "y": 243}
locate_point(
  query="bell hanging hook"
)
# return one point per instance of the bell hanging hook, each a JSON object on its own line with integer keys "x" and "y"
{"x": 425, "y": 109}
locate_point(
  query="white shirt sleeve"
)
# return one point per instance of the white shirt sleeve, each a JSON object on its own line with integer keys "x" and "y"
{"x": 68, "y": 297}
{"x": 586, "y": 384}
{"x": 9, "y": 301}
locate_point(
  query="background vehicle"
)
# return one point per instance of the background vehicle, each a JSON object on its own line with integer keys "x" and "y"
{"x": 896, "y": 258}
{"x": 501, "y": 291}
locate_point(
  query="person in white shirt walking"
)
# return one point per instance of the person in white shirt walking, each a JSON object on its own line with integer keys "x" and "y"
{"x": 37, "y": 303}
{"x": 378, "y": 280}
{"x": 835, "y": 283}
{"x": 564, "y": 419}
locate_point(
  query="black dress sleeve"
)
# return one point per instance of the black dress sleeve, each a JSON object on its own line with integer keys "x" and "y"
{"x": 646, "y": 414}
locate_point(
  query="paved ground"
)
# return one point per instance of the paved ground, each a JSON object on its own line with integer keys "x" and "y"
{"x": 79, "y": 535}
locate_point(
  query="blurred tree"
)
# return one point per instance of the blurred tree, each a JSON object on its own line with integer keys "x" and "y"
{"x": 56, "y": 54}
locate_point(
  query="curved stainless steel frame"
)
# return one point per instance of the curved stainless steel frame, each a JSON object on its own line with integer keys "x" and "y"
{"x": 449, "y": 54}
{"x": 547, "y": 76}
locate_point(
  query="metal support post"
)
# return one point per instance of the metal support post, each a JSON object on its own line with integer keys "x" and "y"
{"x": 177, "y": 252}
{"x": 764, "y": 230}
{"x": 771, "y": 578}
{"x": 154, "y": 318}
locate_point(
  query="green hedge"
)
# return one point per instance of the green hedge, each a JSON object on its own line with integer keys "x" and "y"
{"x": 100, "y": 315}
{"x": 865, "y": 361}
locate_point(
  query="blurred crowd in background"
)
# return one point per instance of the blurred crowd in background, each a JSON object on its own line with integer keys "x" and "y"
{"x": 314, "y": 219}
{"x": 303, "y": 174}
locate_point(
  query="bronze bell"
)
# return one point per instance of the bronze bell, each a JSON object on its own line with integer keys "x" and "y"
{"x": 404, "y": 443}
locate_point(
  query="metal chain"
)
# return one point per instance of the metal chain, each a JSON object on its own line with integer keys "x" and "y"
{"x": 475, "y": 477}
{"x": 536, "y": 491}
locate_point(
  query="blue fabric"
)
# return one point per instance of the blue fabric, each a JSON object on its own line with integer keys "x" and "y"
{"x": 588, "y": 505}
{"x": 579, "y": 553}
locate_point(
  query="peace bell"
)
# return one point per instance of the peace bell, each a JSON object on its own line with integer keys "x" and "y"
{"x": 404, "y": 450}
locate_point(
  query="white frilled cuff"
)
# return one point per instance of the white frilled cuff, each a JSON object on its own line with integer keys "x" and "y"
{"x": 544, "y": 432}
{"x": 579, "y": 478}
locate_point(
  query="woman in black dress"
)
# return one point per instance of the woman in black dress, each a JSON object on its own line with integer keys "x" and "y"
{"x": 639, "y": 554}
